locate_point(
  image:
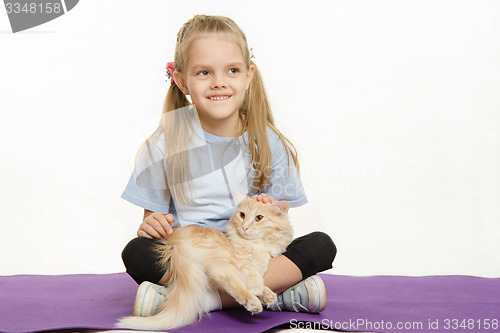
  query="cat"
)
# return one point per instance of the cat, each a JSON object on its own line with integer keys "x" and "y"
{"x": 202, "y": 260}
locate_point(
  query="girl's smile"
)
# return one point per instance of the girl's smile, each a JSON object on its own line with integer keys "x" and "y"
{"x": 219, "y": 97}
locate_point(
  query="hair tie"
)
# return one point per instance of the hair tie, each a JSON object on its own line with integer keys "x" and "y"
{"x": 170, "y": 72}
{"x": 250, "y": 53}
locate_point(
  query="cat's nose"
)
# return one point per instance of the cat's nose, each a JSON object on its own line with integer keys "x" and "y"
{"x": 244, "y": 229}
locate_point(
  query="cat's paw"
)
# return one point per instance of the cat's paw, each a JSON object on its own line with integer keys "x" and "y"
{"x": 268, "y": 296}
{"x": 253, "y": 305}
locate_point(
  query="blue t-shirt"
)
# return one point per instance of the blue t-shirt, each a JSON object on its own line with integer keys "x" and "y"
{"x": 218, "y": 166}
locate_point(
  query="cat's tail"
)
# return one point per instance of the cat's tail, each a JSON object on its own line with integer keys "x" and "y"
{"x": 187, "y": 293}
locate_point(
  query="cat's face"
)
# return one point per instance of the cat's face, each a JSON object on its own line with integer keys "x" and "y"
{"x": 254, "y": 219}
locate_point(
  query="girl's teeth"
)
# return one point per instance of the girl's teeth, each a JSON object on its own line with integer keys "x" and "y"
{"x": 219, "y": 98}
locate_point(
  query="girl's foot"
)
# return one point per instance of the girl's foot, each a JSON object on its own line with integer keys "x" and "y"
{"x": 149, "y": 299}
{"x": 308, "y": 295}
{"x": 151, "y": 296}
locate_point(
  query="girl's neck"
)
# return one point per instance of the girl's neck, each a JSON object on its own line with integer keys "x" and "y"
{"x": 223, "y": 128}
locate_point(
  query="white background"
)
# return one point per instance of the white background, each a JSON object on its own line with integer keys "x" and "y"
{"x": 393, "y": 105}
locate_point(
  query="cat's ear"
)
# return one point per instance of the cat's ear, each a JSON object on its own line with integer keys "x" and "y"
{"x": 238, "y": 197}
{"x": 281, "y": 207}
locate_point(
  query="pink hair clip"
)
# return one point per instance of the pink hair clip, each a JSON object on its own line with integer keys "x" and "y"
{"x": 170, "y": 72}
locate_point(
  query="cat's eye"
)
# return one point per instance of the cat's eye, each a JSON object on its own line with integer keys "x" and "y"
{"x": 259, "y": 218}
{"x": 242, "y": 215}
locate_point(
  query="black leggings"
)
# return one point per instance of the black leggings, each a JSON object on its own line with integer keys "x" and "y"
{"x": 312, "y": 253}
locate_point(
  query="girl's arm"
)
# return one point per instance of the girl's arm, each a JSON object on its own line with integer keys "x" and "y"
{"x": 155, "y": 225}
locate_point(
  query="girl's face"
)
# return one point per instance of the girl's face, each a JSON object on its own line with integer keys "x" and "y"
{"x": 216, "y": 78}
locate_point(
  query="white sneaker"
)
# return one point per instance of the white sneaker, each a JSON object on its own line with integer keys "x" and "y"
{"x": 148, "y": 300}
{"x": 308, "y": 295}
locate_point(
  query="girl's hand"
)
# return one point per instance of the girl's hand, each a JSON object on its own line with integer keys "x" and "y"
{"x": 264, "y": 198}
{"x": 156, "y": 225}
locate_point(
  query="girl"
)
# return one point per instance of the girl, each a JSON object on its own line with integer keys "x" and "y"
{"x": 224, "y": 139}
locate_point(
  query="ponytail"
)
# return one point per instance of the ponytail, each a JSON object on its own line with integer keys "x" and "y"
{"x": 256, "y": 117}
{"x": 175, "y": 99}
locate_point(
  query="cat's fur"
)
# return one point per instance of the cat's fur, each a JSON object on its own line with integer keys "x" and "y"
{"x": 201, "y": 260}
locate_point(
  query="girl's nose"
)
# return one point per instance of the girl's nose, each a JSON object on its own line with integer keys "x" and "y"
{"x": 219, "y": 81}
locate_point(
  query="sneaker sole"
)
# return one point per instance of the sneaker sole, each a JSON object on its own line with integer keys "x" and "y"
{"x": 143, "y": 304}
{"x": 316, "y": 289}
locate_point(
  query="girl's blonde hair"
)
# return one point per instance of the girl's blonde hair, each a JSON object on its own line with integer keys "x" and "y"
{"x": 255, "y": 112}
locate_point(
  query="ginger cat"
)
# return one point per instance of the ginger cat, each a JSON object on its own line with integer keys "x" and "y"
{"x": 203, "y": 259}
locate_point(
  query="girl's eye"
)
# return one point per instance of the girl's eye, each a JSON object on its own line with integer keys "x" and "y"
{"x": 259, "y": 218}
{"x": 203, "y": 73}
{"x": 234, "y": 70}
{"x": 242, "y": 215}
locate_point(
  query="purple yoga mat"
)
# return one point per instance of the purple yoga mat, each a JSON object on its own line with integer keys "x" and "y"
{"x": 30, "y": 303}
